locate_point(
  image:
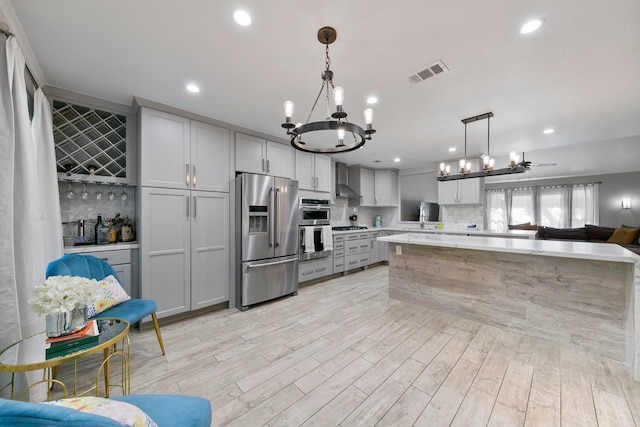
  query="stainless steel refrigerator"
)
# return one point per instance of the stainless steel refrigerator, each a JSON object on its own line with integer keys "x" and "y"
{"x": 266, "y": 238}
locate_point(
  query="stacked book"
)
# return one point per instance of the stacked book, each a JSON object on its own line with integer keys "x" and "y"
{"x": 66, "y": 344}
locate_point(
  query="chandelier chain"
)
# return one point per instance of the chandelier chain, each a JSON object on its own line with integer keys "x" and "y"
{"x": 327, "y": 61}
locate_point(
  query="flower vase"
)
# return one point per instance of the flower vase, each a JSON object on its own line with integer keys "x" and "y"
{"x": 66, "y": 322}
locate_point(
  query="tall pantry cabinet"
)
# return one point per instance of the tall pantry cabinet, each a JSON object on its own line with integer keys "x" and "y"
{"x": 184, "y": 212}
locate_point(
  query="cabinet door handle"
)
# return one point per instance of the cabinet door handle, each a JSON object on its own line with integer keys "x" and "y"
{"x": 187, "y": 197}
{"x": 263, "y": 169}
{"x": 194, "y": 206}
{"x": 188, "y": 178}
{"x": 268, "y": 165}
{"x": 193, "y": 175}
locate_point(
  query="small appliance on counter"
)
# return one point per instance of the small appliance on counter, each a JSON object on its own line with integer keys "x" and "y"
{"x": 378, "y": 221}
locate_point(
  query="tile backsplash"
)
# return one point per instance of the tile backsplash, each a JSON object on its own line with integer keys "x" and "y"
{"x": 458, "y": 216}
{"x": 88, "y": 200}
{"x": 341, "y": 211}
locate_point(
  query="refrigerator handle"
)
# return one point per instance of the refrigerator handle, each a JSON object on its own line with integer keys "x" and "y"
{"x": 275, "y": 217}
{"x": 272, "y": 263}
{"x": 271, "y": 214}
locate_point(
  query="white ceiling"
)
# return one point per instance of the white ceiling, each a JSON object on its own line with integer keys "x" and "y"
{"x": 580, "y": 73}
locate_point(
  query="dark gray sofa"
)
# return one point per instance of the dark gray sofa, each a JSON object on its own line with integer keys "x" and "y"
{"x": 588, "y": 233}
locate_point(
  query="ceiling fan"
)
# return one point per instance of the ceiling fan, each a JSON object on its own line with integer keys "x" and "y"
{"x": 527, "y": 163}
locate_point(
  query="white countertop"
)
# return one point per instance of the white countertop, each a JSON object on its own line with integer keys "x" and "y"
{"x": 100, "y": 248}
{"x": 526, "y": 234}
{"x": 564, "y": 249}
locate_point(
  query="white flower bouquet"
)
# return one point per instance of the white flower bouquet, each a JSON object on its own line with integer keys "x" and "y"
{"x": 59, "y": 294}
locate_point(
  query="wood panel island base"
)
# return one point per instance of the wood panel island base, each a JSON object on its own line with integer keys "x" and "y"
{"x": 582, "y": 295}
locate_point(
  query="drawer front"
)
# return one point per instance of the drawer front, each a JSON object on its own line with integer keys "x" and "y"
{"x": 357, "y": 246}
{"x": 352, "y": 261}
{"x": 122, "y": 256}
{"x": 338, "y": 265}
{"x": 375, "y": 234}
{"x": 338, "y": 253}
{"x": 337, "y": 239}
{"x": 356, "y": 236}
{"x": 309, "y": 270}
{"x": 364, "y": 260}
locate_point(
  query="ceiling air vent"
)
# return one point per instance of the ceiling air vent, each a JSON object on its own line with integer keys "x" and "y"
{"x": 430, "y": 71}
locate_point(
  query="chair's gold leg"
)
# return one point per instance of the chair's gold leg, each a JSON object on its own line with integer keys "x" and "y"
{"x": 105, "y": 355}
{"x": 157, "y": 326}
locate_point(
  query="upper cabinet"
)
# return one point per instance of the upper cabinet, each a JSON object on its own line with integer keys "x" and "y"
{"x": 94, "y": 144}
{"x": 468, "y": 191}
{"x": 257, "y": 155}
{"x": 362, "y": 181}
{"x": 313, "y": 171}
{"x": 386, "y": 187}
{"x": 376, "y": 187}
{"x": 176, "y": 152}
{"x": 461, "y": 192}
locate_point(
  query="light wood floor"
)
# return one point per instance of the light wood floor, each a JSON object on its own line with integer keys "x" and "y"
{"x": 342, "y": 353}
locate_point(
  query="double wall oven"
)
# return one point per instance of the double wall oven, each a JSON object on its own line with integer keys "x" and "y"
{"x": 314, "y": 220}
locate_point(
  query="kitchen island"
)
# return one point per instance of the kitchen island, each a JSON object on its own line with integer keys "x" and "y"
{"x": 578, "y": 294}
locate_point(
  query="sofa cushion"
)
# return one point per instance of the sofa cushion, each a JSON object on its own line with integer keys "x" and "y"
{"x": 15, "y": 413}
{"x": 597, "y": 233}
{"x": 172, "y": 410}
{"x": 564, "y": 233}
{"x": 124, "y": 413}
{"x": 624, "y": 236}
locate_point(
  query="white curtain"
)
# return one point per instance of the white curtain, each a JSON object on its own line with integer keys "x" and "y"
{"x": 496, "y": 210}
{"x": 554, "y": 208}
{"x": 29, "y": 195}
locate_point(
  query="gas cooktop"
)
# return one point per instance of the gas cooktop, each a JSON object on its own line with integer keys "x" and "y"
{"x": 349, "y": 227}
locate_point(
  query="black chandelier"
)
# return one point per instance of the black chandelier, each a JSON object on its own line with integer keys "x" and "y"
{"x": 515, "y": 165}
{"x": 326, "y": 36}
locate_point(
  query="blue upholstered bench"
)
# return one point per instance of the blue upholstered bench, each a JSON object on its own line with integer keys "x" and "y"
{"x": 166, "y": 410}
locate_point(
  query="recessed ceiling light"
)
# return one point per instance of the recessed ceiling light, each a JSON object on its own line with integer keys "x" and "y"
{"x": 452, "y": 149}
{"x": 372, "y": 100}
{"x": 548, "y": 131}
{"x": 531, "y": 26}
{"x": 397, "y": 160}
{"x": 193, "y": 88}
{"x": 242, "y": 17}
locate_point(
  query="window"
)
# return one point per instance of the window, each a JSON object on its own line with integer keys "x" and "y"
{"x": 553, "y": 206}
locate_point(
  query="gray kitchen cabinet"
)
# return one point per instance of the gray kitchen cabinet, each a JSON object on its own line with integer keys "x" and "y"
{"x": 183, "y": 221}
{"x": 386, "y": 188}
{"x": 313, "y": 171}
{"x": 362, "y": 181}
{"x": 338, "y": 253}
{"x": 176, "y": 152}
{"x": 357, "y": 250}
{"x": 376, "y": 187}
{"x": 461, "y": 192}
{"x": 375, "y": 247}
{"x": 314, "y": 269}
{"x": 257, "y": 155}
{"x": 184, "y": 252}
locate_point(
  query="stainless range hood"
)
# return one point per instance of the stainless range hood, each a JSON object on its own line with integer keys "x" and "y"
{"x": 343, "y": 191}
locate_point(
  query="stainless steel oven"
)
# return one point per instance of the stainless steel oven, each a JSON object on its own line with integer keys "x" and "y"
{"x": 314, "y": 212}
{"x": 313, "y": 220}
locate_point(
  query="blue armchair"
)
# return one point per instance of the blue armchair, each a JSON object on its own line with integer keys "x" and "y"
{"x": 89, "y": 266}
{"x": 166, "y": 410}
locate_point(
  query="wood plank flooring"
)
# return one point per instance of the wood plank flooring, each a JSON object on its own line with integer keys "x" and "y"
{"x": 342, "y": 353}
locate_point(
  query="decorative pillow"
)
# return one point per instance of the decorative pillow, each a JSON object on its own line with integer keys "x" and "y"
{"x": 114, "y": 294}
{"x": 122, "y": 412}
{"x": 631, "y": 226}
{"x": 624, "y": 236}
{"x": 599, "y": 234}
